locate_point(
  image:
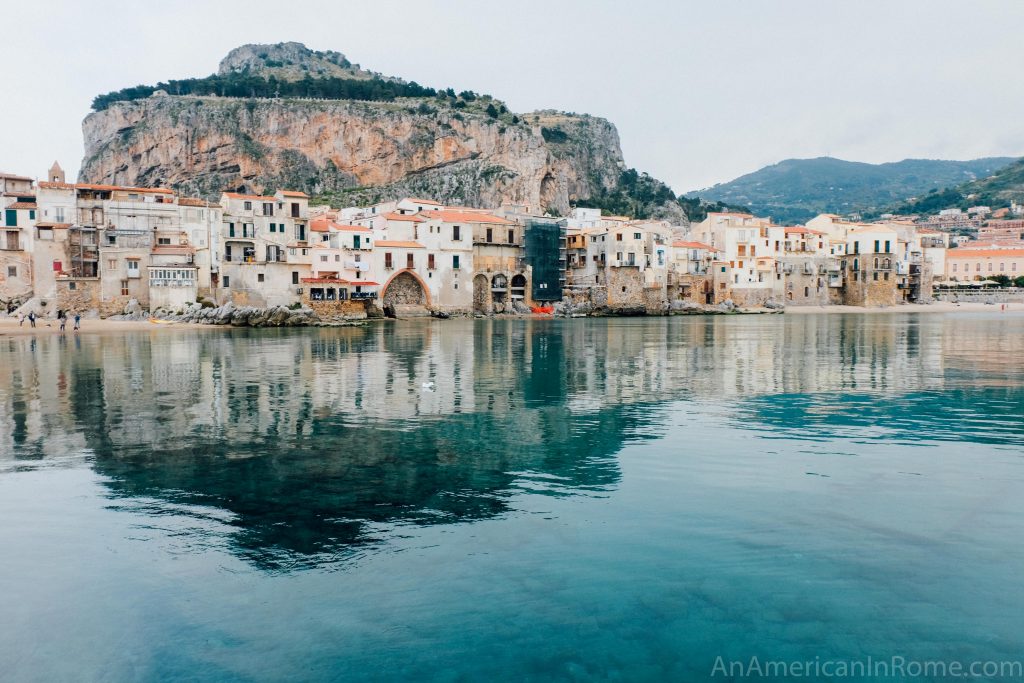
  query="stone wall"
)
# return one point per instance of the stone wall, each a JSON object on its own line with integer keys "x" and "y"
{"x": 625, "y": 288}
{"x": 81, "y": 295}
{"x": 332, "y": 311}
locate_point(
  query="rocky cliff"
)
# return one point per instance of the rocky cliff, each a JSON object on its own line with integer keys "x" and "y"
{"x": 468, "y": 150}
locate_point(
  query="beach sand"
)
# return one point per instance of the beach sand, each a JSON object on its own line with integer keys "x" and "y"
{"x": 10, "y": 327}
{"x": 936, "y": 307}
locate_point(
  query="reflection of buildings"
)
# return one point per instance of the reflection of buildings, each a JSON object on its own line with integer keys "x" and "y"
{"x": 310, "y": 438}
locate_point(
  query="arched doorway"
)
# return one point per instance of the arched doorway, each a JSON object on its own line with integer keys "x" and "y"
{"x": 404, "y": 289}
{"x": 499, "y": 292}
{"x": 518, "y": 292}
{"x": 480, "y": 295}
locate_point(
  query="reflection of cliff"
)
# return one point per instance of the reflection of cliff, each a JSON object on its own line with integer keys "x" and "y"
{"x": 314, "y": 440}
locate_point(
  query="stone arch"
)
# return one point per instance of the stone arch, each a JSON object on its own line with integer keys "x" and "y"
{"x": 518, "y": 289}
{"x": 481, "y": 294}
{"x": 405, "y": 288}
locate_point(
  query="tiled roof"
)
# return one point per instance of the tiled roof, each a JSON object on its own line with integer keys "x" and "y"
{"x": 414, "y": 200}
{"x": 402, "y": 244}
{"x": 693, "y": 245}
{"x": 365, "y": 283}
{"x": 22, "y": 205}
{"x": 294, "y": 193}
{"x": 983, "y": 253}
{"x": 410, "y": 217}
{"x": 466, "y": 216}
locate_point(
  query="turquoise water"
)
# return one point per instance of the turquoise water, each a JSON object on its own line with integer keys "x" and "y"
{"x": 620, "y": 499}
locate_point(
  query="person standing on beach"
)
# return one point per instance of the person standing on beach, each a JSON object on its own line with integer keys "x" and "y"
{"x": 32, "y": 318}
{"x": 78, "y": 319}
{"x": 63, "y": 318}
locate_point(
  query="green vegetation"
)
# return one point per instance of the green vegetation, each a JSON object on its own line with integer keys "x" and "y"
{"x": 248, "y": 86}
{"x": 640, "y": 196}
{"x": 795, "y": 190}
{"x": 995, "y": 191}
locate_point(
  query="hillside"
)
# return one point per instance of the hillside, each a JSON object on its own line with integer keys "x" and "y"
{"x": 796, "y": 190}
{"x": 287, "y": 116}
{"x": 995, "y": 191}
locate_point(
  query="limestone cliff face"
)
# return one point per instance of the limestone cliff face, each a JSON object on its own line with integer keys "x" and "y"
{"x": 371, "y": 150}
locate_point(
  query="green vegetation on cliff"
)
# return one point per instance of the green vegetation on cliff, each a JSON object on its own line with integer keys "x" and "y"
{"x": 640, "y": 196}
{"x": 248, "y": 86}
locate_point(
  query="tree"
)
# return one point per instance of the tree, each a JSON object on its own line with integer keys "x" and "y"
{"x": 491, "y": 111}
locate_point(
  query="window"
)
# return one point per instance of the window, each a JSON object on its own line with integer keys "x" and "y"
{"x": 337, "y": 258}
{"x": 12, "y": 271}
{"x": 876, "y": 246}
{"x": 45, "y": 233}
{"x": 260, "y": 277}
{"x": 227, "y": 282}
{"x": 323, "y": 258}
{"x": 12, "y": 217}
{"x": 74, "y": 285}
{"x": 133, "y": 267}
{"x": 456, "y": 235}
{"x": 58, "y": 266}
{"x": 31, "y": 214}
{"x": 410, "y": 261}
{"x": 954, "y": 267}
{"x": 112, "y": 264}
{"x": 977, "y": 267}
{"x": 268, "y": 209}
{"x": 875, "y": 276}
{"x": 273, "y": 227}
{"x": 247, "y": 206}
{"x": 1002, "y": 267}
{"x": 1013, "y": 266}
{"x": 430, "y": 261}
{"x": 295, "y": 277}
{"x": 387, "y": 260}
{"x": 124, "y": 288}
{"x": 58, "y": 214}
{"x": 490, "y": 235}
{"x": 163, "y": 241}
{"x": 511, "y": 236}
{"x": 618, "y": 237}
{"x": 637, "y": 236}
{"x": 887, "y": 246}
{"x": 990, "y": 266}
{"x": 455, "y": 261}
{"x": 231, "y": 229}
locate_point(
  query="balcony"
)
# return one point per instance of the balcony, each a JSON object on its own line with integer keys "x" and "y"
{"x": 362, "y": 295}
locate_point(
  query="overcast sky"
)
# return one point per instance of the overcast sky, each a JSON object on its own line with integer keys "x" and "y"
{"x": 701, "y": 92}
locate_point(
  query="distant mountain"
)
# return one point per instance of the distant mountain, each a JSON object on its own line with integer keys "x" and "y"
{"x": 796, "y": 190}
{"x": 995, "y": 191}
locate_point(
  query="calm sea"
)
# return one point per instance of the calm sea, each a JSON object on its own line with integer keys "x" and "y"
{"x": 622, "y": 499}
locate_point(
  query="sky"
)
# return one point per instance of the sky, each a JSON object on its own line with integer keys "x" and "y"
{"x": 701, "y": 92}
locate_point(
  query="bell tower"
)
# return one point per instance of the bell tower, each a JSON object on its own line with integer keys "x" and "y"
{"x": 56, "y": 173}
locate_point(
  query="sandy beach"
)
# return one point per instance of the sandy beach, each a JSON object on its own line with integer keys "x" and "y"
{"x": 10, "y": 327}
{"x": 936, "y": 307}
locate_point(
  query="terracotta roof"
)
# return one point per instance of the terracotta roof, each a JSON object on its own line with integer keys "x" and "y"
{"x": 365, "y": 283}
{"x": 693, "y": 245}
{"x": 257, "y": 197}
{"x": 411, "y": 217}
{"x": 799, "y": 229}
{"x": 399, "y": 243}
{"x": 983, "y": 253}
{"x": 195, "y": 201}
{"x": 48, "y": 224}
{"x": 21, "y": 205}
{"x": 294, "y": 193}
{"x": 55, "y": 186}
{"x": 325, "y": 225}
{"x": 11, "y": 176}
{"x": 422, "y": 201}
{"x": 466, "y": 216}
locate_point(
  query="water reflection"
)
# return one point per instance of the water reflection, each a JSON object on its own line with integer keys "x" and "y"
{"x": 300, "y": 447}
